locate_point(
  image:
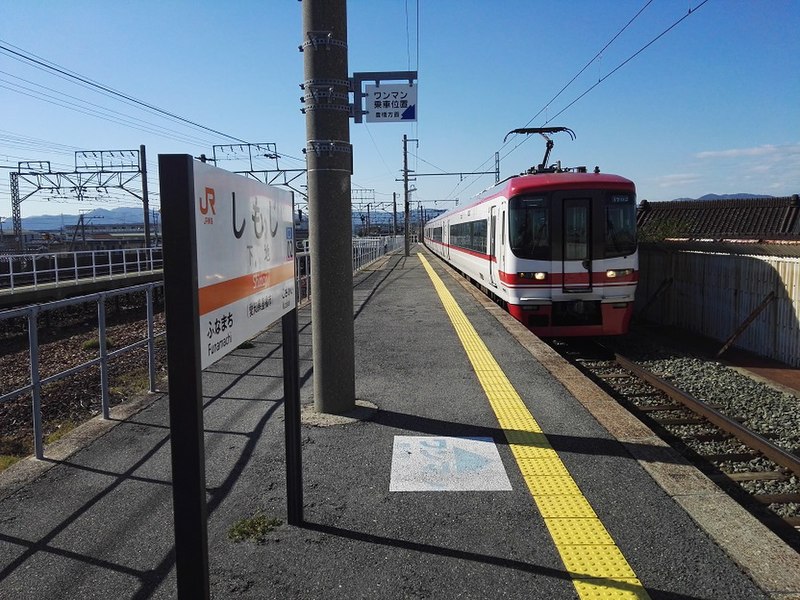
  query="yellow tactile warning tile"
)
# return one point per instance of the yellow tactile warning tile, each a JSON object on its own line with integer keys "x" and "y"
{"x": 585, "y": 532}
{"x": 597, "y": 567}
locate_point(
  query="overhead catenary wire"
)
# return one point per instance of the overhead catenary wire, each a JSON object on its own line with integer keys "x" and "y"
{"x": 690, "y": 12}
{"x": 586, "y": 66}
{"x": 630, "y": 58}
{"x": 569, "y": 83}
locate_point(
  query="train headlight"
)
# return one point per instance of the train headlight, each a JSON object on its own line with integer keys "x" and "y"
{"x": 614, "y": 273}
{"x": 538, "y": 276}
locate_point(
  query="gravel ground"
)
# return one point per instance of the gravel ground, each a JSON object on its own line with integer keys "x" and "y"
{"x": 772, "y": 413}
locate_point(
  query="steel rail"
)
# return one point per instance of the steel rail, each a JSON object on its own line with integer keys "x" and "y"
{"x": 746, "y": 436}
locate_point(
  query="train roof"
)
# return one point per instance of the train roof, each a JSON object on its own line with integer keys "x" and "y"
{"x": 549, "y": 181}
{"x": 522, "y": 184}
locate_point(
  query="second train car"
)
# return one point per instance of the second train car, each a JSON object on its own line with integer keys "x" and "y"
{"x": 556, "y": 247}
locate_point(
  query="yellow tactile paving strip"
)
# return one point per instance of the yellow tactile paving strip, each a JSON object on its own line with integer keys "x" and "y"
{"x": 597, "y": 567}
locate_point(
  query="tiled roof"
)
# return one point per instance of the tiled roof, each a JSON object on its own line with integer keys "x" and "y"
{"x": 739, "y": 219}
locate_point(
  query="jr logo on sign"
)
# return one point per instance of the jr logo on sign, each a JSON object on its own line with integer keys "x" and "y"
{"x": 206, "y": 204}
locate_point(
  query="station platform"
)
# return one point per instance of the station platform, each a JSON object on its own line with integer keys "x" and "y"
{"x": 478, "y": 465}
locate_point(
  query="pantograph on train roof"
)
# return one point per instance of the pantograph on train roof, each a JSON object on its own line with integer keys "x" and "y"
{"x": 545, "y": 132}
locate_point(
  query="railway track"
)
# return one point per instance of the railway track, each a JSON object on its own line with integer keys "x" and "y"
{"x": 714, "y": 426}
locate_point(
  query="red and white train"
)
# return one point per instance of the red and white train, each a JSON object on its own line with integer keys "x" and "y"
{"x": 556, "y": 247}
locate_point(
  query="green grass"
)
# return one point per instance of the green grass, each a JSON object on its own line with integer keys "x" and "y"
{"x": 14, "y": 450}
{"x": 254, "y": 529}
{"x": 61, "y": 430}
{"x": 130, "y": 384}
{"x": 94, "y": 344}
{"x": 6, "y": 460}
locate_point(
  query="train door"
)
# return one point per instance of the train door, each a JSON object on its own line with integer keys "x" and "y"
{"x": 493, "y": 246}
{"x": 502, "y": 260}
{"x": 576, "y": 251}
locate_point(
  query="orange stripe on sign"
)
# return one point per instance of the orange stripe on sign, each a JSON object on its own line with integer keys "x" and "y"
{"x": 217, "y": 295}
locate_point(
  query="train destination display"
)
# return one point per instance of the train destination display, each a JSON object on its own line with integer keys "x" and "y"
{"x": 245, "y": 258}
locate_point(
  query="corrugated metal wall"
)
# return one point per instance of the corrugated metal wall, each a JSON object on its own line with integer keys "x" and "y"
{"x": 713, "y": 294}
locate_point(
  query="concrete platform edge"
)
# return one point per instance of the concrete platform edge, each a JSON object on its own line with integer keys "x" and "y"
{"x": 28, "y": 469}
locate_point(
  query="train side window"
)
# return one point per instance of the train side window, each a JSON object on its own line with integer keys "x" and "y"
{"x": 479, "y": 239}
{"x": 620, "y": 226}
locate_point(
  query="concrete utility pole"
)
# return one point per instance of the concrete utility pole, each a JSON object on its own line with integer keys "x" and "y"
{"x": 145, "y": 199}
{"x": 405, "y": 193}
{"x": 394, "y": 213}
{"x": 329, "y": 160}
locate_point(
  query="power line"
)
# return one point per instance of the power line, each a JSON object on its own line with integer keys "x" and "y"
{"x": 588, "y": 64}
{"x": 601, "y": 80}
{"x": 630, "y": 58}
{"x": 571, "y": 81}
{"x": 107, "y": 114}
{"x": 578, "y": 74}
{"x": 183, "y": 137}
{"x": 77, "y": 77}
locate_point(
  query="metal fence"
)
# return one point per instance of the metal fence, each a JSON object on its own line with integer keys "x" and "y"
{"x": 34, "y": 387}
{"x": 368, "y": 250}
{"x": 23, "y": 270}
{"x": 365, "y": 251}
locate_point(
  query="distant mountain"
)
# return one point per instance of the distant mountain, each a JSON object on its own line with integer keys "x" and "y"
{"x": 728, "y": 197}
{"x": 98, "y": 216}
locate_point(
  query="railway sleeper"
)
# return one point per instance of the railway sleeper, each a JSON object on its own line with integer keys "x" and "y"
{"x": 752, "y": 476}
{"x": 719, "y": 436}
{"x": 776, "y": 498}
{"x": 732, "y": 457}
{"x": 659, "y": 408}
{"x": 681, "y": 421}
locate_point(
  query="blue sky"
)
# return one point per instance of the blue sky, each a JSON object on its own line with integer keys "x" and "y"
{"x": 710, "y": 107}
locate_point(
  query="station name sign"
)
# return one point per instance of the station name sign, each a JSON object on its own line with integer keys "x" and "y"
{"x": 245, "y": 258}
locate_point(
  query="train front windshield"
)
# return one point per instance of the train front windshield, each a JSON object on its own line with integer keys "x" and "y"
{"x": 559, "y": 226}
{"x": 529, "y": 227}
{"x": 620, "y": 225}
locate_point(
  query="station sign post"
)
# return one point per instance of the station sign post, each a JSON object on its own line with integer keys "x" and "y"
{"x": 229, "y": 272}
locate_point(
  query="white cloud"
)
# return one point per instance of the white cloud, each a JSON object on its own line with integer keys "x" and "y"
{"x": 670, "y": 181}
{"x": 768, "y": 150}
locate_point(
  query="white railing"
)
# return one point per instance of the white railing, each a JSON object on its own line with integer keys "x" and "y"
{"x": 25, "y": 270}
{"x": 368, "y": 250}
{"x": 34, "y": 270}
{"x": 365, "y": 252}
